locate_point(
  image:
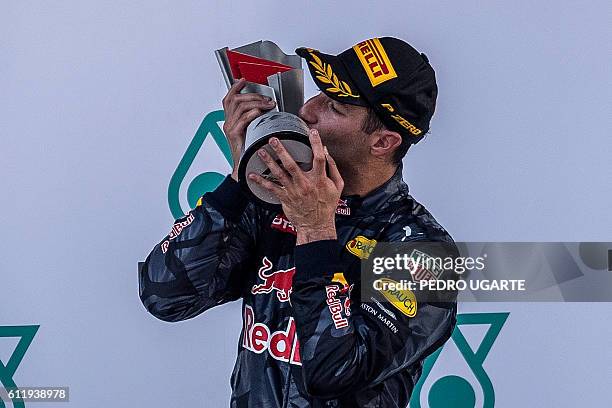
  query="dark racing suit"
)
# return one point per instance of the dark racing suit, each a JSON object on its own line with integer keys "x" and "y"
{"x": 308, "y": 340}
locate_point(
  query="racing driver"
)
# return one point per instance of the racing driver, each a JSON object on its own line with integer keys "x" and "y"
{"x": 308, "y": 338}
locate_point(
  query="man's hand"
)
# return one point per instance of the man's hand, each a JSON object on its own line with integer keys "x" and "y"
{"x": 310, "y": 198}
{"x": 240, "y": 110}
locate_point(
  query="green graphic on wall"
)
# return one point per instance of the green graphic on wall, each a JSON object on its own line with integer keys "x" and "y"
{"x": 206, "y": 181}
{"x": 455, "y": 391}
{"x": 7, "y": 371}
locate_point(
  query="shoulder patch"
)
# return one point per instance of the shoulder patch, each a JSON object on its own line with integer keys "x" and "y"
{"x": 402, "y": 299}
{"x": 361, "y": 246}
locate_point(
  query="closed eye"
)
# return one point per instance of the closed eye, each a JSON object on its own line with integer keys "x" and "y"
{"x": 331, "y": 105}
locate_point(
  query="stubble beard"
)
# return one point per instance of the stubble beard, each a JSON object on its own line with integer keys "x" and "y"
{"x": 350, "y": 158}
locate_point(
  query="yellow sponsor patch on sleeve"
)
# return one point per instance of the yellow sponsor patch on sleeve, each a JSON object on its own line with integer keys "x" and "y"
{"x": 402, "y": 299}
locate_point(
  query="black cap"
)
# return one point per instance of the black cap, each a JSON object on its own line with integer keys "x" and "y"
{"x": 385, "y": 74}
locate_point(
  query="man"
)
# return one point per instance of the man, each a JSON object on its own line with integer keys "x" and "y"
{"x": 308, "y": 339}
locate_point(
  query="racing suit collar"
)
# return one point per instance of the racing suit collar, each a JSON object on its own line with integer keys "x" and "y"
{"x": 378, "y": 198}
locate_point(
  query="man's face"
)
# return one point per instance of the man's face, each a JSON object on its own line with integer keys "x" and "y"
{"x": 339, "y": 125}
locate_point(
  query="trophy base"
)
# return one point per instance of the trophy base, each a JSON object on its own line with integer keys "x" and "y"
{"x": 297, "y": 145}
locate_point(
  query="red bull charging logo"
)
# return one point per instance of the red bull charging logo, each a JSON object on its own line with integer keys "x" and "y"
{"x": 280, "y": 281}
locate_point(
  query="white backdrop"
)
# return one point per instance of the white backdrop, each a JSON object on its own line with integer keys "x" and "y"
{"x": 100, "y": 100}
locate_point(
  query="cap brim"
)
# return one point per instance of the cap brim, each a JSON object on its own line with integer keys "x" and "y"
{"x": 331, "y": 76}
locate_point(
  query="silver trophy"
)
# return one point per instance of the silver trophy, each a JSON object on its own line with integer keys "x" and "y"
{"x": 286, "y": 88}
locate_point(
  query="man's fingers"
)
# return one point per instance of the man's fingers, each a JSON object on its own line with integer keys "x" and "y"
{"x": 234, "y": 89}
{"x": 235, "y": 102}
{"x": 247, "y": 118}
{"x": 288, "y": 163}
{"x": 268, "y": 185}
{"x": 334, "y": 174}
{"x": 247, "y": 106}
{"x": 247, "y": 97}
{"x": 318, "y": 155}
{"x": 234, "y": 98}
{"x": 277, "y": 172}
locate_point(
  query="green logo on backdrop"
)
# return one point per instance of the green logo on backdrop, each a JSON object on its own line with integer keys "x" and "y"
{"x": 26, "y": 335}
{"x": 455, "y": 391}
{"x": 203, "y": 182}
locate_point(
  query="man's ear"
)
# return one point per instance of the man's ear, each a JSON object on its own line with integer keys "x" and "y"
{"x": 385, "y": 142}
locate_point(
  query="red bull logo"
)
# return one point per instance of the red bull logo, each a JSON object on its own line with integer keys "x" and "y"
{"x": 280, "y": 281}
{"x": 177, "y": 228}
{"x": 345, "y": 290}
{"x": 342, "y": 208}
{"x": 336, "y": 306}
{"x": 282, "y": 345}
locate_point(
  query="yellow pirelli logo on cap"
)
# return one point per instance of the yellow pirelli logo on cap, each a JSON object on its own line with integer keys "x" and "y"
{"x": 375, "y": 61}
{"x": 402, "y": 121}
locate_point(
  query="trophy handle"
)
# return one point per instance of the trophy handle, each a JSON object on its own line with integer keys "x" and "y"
{"x": 223, "y": 61}
{"x": 289, "y": 86}
{"x": 268, "y": 50}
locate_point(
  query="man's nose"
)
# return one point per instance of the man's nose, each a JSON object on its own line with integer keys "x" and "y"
{"x": 308, "y": 111}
